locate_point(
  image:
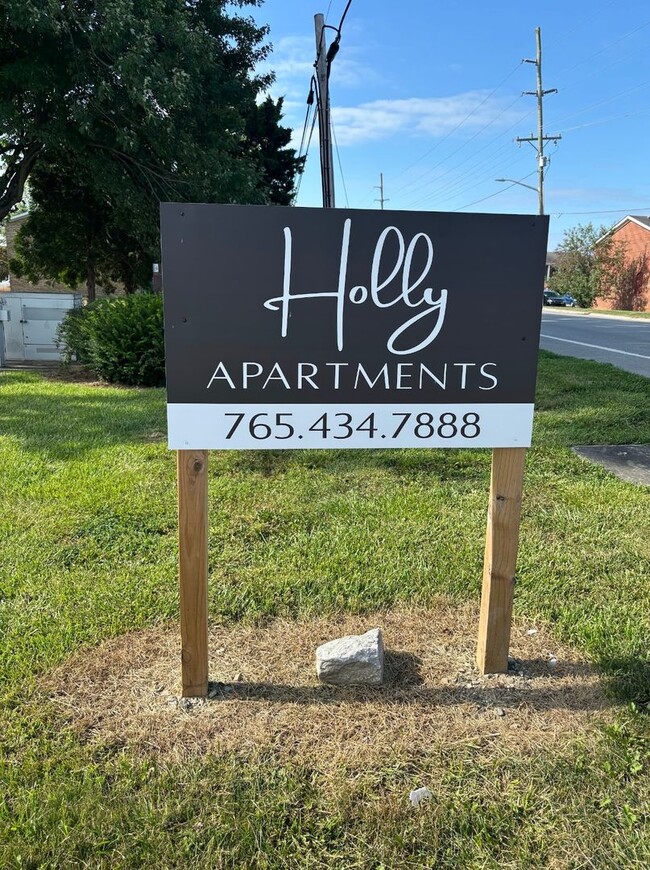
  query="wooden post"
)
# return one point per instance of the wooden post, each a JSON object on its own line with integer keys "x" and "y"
{"x": 192, "y": 471}
{"x": 501, "y": 542}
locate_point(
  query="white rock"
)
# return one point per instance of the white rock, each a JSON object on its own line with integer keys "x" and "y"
{"x": 355, "y": 660}
{"x": 420, "y": 794}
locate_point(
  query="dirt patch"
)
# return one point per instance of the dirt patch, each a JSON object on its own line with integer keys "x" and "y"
{"x": 265, "y": 694}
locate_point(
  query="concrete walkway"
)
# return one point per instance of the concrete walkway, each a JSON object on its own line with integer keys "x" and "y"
{"x": 630, "y": 462}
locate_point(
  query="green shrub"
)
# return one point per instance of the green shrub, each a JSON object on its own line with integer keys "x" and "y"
{"x": 71, "y": 337}
{"x": 120, "y": 339}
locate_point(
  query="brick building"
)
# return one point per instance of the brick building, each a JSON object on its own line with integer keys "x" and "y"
{"x": 633, "y": 232}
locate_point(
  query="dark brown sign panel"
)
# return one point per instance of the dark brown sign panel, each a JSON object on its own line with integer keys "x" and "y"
{"x": 295, "y": 327}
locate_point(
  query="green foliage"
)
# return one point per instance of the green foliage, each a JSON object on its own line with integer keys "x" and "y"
{"x": 627, "y": 286}
{"x": 268, "y": 141}
{"x": 119, "y": 339}
{"x": 111, "y": 107}
{"x": 593, "y": 265}
{"x": 579, "y": 268}
{"x": 74, "y": 236}
{"x": 73, "y": 334}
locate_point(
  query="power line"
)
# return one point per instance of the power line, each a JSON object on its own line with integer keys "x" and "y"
{"x": 496, "y": 193}
{"x": 606, "y": 100}
{"x": 488, "y": 175}
{"x": 631, "y": 211}
{"x": 457, "y": 127}
{"x": 605, "y": 48}
{"x": 306, "y": 154}
{"x": 345, "y": 12}
{"x": 338, "y": 157}
{"x": 566, "y": 33}
{"x": 624, "y": 59}
{"x": 310, "y": 102}
{"x": 453, "y": 183}
{"x": 606, "y": 120}
{"x": 467, "y": 142}
{"x": 471, "y": 156}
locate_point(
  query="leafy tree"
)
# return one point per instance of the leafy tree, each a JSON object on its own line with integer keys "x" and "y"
{"x": 626, "y": 286}
{"x": 582, "y": 263}
{"x": 149, "y": 84}
{"x": 114, "y": 105}
{"x": 79, "y": 233}
{"x": 594, "y": 265}
{"x": 268, "y": 141}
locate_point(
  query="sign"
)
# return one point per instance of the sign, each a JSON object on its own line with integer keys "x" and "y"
{"x": 320, "y": 328}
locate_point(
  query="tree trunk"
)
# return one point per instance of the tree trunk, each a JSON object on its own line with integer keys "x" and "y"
{"x": 91, "y": 282}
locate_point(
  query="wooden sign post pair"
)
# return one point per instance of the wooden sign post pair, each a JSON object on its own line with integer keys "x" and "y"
{"x": 297, "y": 328}
{"x": 498, "y": 568}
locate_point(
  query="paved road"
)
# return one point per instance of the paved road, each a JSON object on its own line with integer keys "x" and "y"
{"x": 624, "y": 342}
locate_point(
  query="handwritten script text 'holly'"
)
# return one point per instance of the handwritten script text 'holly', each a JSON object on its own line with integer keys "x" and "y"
{"x": 379, "y": 293}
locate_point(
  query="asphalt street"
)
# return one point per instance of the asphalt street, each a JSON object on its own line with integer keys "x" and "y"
{"x": 623, "y": 342}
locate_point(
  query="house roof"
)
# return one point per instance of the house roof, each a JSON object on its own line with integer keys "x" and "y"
{"x": 644, "y": 221}
{"x": 637, "y": 219}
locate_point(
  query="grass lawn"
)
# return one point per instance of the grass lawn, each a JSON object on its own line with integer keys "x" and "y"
{"x": 643, "y": 315}
{"x": 88, "y": 538}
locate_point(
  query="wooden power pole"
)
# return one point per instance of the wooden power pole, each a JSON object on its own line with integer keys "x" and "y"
{"x": 323, "y": 106}
{"x": 380, "y": 187}
{"x": 539, "y": 140}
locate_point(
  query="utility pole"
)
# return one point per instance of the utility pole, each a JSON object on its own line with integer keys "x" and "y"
{"x": 380, "y": 188}
{"x": 539, "y": 140}
{"x": 323, "y": 107}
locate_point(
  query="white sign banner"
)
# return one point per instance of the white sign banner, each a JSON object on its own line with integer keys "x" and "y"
{"x": 313, "y": 427}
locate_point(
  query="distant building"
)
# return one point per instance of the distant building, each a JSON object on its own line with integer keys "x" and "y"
{"x": 552, "y": 259}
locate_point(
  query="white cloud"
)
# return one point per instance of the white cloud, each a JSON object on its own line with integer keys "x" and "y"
{"x": 433, "y": 116}
{"x": 292, "y": 61}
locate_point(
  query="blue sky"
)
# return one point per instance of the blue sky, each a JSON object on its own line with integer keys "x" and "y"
{"x": 430, "y": 94}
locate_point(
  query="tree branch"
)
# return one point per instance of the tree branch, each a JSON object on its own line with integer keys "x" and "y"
{"x": 15, "y": 177}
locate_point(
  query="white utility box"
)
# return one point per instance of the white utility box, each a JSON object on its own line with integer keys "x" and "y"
{"x": 32, "y": 322}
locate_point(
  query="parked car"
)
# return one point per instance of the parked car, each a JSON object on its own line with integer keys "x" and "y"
{"x": 553, "y": 298}
{"x": 569, "y": 300}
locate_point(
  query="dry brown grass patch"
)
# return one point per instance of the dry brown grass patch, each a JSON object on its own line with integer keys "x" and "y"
{"x": 266, "y": 695}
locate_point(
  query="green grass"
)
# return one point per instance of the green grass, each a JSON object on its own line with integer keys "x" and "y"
{"x": 88, "y": 542}
{"x": 644, "y": 315}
